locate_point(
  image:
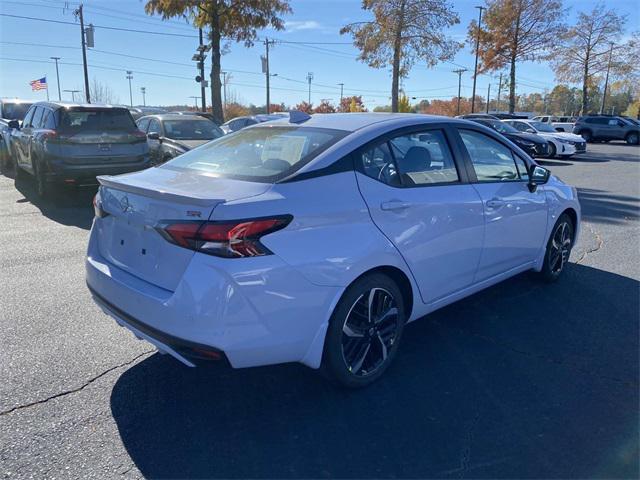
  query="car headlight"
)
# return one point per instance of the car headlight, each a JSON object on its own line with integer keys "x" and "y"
{"x": 526, "y": 144}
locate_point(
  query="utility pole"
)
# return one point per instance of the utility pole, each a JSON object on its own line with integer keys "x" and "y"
{"x": 459, "y": 72}
{"x": 57, "y": 76}
{"x": 475, "y": 70}
{"x": 341, "y": 93}
{"x": 144, "y": 98}
{"x": 499, "y": 91}
{"x": 195, "y": 100}
{"x": 129, "y": 77}
{"x": 201, "y": 65}
{"x": 606, "y": 81}
{"x": 488, "y": 97}
{"x": 73, "y": 94}
{"x": 265, "y": 70}
{"x": 309, "y": 78}
{"x": 78, "y": 13}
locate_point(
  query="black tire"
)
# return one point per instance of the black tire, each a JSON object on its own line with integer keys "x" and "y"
{"x": 558, "y": 249}
{"x": 552, "y": 150}
{"x": 586, "y": 134}
{"x": 359, "y": 358}
{"x": 44, "y": 189}
{"x": 632, "y": 138}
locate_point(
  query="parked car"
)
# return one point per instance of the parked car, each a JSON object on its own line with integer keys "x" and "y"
{"x": 533, "y": 144}
{"x": 170, "y": 135}
{"x": 68, "y": 143}
{"x": 207, "y": 115}
{"x": 605, "y": 127}
{"x": 239, "y": 123}
{"x": 10, "y": 110}
{"x": 138, "y": 112}
{"x": 561, "y": 144}
{"x": 315, "y": 239}
{"x": 560, "y": 124}
{"x": 510, "y": 116}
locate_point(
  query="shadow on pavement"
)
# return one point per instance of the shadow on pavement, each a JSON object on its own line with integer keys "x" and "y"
{"x": 521, "y": 380}
{"x": 69, "y": 206}
{"x": 603, "y": 206}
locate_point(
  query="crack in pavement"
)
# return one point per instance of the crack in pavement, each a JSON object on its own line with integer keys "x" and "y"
{"x": 599, "y": 244}
{"x": 78, "y": 389}
{"x": 539, "y": 356}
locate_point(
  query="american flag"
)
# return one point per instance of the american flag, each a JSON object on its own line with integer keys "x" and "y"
{"x": 40, "y": 84}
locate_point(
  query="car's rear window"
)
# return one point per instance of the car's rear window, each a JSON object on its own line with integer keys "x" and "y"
{"x": 192, "y": 129}
{"x": 96, "y": 119}
{"x": 262, "y": 154}
{"x": 15, "y": 111}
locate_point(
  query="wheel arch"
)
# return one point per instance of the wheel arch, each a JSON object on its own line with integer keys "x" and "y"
{"x": 573, "y": 215}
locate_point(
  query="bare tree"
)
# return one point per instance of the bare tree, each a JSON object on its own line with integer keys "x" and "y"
{"x": 513, "y": 31}
{"x": 403, "y": 32}
{"x": 102, "y": 93}
{"x": 583, "y": 53}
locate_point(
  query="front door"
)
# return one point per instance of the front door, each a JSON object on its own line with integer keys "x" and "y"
{"x": 416, "y": 197}
{"x": 515, "y": 217}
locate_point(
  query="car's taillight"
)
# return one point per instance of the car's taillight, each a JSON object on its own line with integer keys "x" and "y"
{"x": 97, "y": 207}
{"x": 229, "y": 239}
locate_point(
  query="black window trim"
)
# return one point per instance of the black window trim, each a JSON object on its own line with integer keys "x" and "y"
{"x": 473, "y": 178}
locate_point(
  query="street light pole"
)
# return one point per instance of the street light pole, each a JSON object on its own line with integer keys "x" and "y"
{"x": 57, "y": 76}
{"x": 144, "y": 97}
{"x": 129, "y": 77}
{"x": 606, "y": 81}
{"x": 475, "y": 69}
{"x": 488, "y": 97}
{"x": 195, "y": 100}
{"x": 309, "y": 78}
{"x": 73, "y": 94}
{"x": 459, "y": 72}
{"x": 341, "y": 92}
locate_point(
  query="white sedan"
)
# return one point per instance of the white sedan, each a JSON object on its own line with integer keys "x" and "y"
{"x": 561, "y": 144}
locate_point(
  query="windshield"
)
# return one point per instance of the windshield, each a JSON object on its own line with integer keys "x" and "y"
{"x": 191, "y": 129}
{"x": 14, "y": 111}
{"x": 501, "y": 127}
{"x": 262, "y": 154}
{"x": 542, "y": 127}
{"x": 96, "y": 120}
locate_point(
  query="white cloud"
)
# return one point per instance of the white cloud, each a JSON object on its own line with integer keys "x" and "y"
{"x": 296, "y": 26}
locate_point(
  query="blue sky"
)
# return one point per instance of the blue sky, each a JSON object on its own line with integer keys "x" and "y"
{"x": 311, "y": 21}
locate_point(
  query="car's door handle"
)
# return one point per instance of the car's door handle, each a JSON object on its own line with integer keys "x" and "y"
{"x": 495, "y": 203}
{"x": 394, "y": 205}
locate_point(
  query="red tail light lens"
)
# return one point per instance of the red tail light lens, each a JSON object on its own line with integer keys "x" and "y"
{"x": 233, "y": 239}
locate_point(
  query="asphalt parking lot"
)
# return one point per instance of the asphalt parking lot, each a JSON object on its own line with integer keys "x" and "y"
{"x": 522, "y": 380}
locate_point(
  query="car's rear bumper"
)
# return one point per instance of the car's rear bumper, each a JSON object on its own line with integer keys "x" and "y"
{"x": 253, "y": 311}
{"x": 86, "y": 174}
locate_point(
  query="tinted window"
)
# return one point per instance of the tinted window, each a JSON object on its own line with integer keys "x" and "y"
{"x": 14, "y": 111}
{"x": 49, "y": 121}
{"x": 154, "y": 126}
{"x": 522, "y": 168}
{"x": 27, "y": 119}
{"x": 96, "y": 119}
{"x": 191, "y": 129}
{"x": 377, "y": 162}
{"x": 37, "y": 117}
{"x": 598, "y": 121}
{"x": 492, "y": 161}
{"x": 143, "y": 124}
{"x": 423, "y": 158}
{"x": 258, "y": 154}
{"x": 520, "y": 126}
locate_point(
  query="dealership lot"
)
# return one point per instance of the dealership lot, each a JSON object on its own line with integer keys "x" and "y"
{"x": 523, "y": 379}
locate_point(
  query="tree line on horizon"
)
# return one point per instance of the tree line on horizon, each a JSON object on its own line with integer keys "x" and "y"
{"x": 401, "y": 33}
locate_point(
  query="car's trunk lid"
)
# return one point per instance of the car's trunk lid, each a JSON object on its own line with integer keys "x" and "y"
{"x": 137, "y": 204}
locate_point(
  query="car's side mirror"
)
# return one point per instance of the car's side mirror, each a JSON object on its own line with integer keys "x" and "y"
{"x": 538, "y": 176}
{"x": 530, "y": 130}
{"x": 153, "y": 136}
{"x": 14, "y": 124}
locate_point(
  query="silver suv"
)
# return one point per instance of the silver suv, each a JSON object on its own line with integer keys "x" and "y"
{"x": 605, "y": 127}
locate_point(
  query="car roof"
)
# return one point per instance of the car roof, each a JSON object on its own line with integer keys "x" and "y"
{"x": 174, "y": 116}
{"x": 53, "y": 104}
{"x": 355, "y": 121}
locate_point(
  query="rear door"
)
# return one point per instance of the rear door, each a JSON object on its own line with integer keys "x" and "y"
{"x": 515, "y": 218}
{"x": 27, "y": 137}
{"x": 17, "y": 137}
{"x": 419, "y": 199}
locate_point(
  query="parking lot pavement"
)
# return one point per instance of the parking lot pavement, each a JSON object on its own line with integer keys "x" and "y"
{"x": 522, "y": 380}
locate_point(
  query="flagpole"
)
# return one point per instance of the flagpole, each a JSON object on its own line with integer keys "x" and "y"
{"x": 47, "y": 84}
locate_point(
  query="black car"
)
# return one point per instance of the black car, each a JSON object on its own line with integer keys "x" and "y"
{"x": 68, "y": 143}
{"x": 534, "y": 145}
{"x": 170, "y": 134}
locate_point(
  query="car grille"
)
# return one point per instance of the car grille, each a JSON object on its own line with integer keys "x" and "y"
{"x": 580, "y": 146}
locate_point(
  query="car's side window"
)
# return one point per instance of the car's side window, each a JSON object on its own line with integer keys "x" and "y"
{"x": 522, "y": 168}
{"x": 377, "y": 162}
{"x": 143, "y": 124}
{"x": 519, "y": 126}
{"x": 492, "y": 161}
{"x": 423, "y": 158}
{"x": 37, "y": 117}
{"x": 27, "y": 118}
{"x": 49, "y": 121}
{"x": 154, "y": 126}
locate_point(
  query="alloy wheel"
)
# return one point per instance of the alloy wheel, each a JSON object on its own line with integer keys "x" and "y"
{"x": 369, "y": 332}
{"x": 560, "y": 248}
